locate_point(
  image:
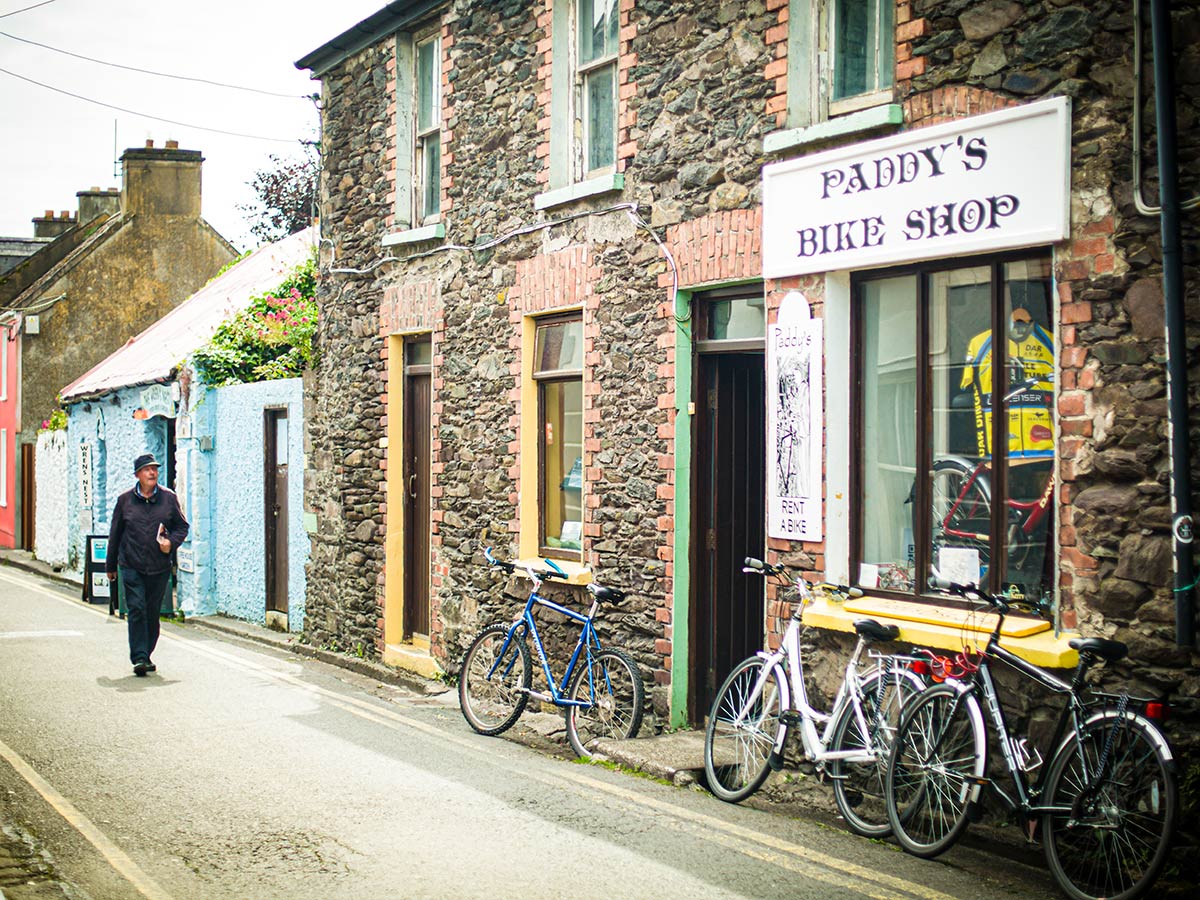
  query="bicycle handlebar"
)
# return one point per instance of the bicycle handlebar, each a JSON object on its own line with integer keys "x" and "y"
{"x": 755, "y": 566}
{"x": 998, "y": 602}
{"x": 555, "y": 573}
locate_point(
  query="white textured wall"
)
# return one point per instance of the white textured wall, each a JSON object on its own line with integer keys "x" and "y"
{"x": 50, "y": 529}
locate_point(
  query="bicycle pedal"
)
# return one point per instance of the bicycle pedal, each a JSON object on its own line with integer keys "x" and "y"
{"x": 791, "y": 718}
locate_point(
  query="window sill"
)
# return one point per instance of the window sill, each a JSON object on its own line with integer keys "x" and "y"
{"x": 415, "y": 235}
{"x": 864, "y": 120}
{"x": 605, "y": 184}
{"x": 942, "y": 627}
{"x": 577, "y": 573}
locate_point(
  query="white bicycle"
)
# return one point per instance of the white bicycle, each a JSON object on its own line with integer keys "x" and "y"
{"x": 764, "y": 697}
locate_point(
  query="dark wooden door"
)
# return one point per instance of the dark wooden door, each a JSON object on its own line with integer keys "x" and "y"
{"x": 730, "y": 459}
{"x": 416, "y": 497}
{"x": 28, "y": 495}
{"x": 275, "y": 484}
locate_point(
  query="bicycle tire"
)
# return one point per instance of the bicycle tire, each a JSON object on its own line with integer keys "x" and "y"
{"x": 933, "y": 777}
{"x": 492, "y": 696}
{"x": 1115, "y": 841}
{"x": 619, "y": 694}
{"x": 959, "y": 506}
{"x": 737, "y": 761}
{"x": 858, "y": 787}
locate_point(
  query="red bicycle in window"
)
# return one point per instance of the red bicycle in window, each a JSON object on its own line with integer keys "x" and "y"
{"x": 961, "y": 497}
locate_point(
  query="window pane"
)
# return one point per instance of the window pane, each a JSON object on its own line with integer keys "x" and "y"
{"x": 889, "y": 463}
{"x": 601, "y": 117}
{"x": 597, "y": 29}
{"x": 562, "y": 463}
{"x": 1030, "y": 402}
{"x": 854, "y": 47}
{"x": 427, "y": 85}
{"x": 559, "y": 347}
{"x": 431, "y": 175}
{"x": 419, "y": 352}
{"x": 739, "y": 318}
{"x": 960, "y": 322}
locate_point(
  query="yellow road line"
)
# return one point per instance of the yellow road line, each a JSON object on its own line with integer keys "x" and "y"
{"x": 126, "y": 867}
{"x": 780, "y": 852}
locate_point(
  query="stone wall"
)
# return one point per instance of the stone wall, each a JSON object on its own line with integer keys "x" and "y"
{"x": 692, "y": 115}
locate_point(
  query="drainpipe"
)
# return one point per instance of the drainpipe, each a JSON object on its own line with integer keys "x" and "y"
{"x": 1177, "y": 375}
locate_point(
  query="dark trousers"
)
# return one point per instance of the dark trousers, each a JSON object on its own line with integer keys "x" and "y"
{"x": 143, "y": 601}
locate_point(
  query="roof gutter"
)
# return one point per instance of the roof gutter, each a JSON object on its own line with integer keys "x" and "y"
{"x": 394, "y": 17}
{"x": 1177, "y": 374}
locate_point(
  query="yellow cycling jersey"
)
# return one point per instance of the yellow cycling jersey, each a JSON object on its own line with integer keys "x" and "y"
{"x": 1030, "y": 423}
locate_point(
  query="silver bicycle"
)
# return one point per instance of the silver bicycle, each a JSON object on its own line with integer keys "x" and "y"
{"x": 764, "y": 697}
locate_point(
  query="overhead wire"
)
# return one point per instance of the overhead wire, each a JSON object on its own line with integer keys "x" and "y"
{"x": 25, "y": 9}
{"x": 133, "y": 112}
{"x": 102, "y": 62}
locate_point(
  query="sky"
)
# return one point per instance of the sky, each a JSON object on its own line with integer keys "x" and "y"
{"x": 52, "y": 145}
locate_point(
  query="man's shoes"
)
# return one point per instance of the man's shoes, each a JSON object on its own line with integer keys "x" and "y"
{"x": 151, "y": 667}
{"x": 141, "y": 667}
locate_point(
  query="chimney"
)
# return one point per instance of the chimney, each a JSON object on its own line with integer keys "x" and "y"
{"x": 95, "y": 202}
{"x": 161, "y": 182}
{"x": 50, "y": 225}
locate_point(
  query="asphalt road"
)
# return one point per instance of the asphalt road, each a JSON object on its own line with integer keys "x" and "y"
{"x": 239, "y": 771}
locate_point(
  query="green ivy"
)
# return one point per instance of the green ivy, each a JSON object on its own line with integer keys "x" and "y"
{"x": 272, "y": 338}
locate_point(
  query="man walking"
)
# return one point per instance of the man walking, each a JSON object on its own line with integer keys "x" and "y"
{"x": 147, "y": 524}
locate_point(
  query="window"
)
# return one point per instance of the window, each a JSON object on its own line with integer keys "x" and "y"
{"x": 418, "y": 134}
{"x": 3, "y": 467}
{"x": 596, "y": 82}
{"x": 428, "y": 164}
{"x": 558, "y": 372}
{"x": 852, "y": 46}
{"x": 955, "y": 469}
{"x": 861, "y": 48}
{"x": 3, "y": 363}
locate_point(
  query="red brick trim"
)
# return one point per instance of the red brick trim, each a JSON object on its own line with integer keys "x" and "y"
{"x": 389, "y": 220}
{"x": 722, "y": 246}
{"x": 776, "y": 70}
{"x": 945, "y": 104}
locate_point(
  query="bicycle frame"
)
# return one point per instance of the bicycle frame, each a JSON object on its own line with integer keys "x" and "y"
{"x": 789, "y": 652}
{"x": 587, "y": 639}
{"x": 1036, "y": 509}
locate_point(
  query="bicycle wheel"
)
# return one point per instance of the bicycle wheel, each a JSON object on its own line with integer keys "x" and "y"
{"x": 493, "y": 691}
{"x": 616, "y": 704}
{"x": 938, "y": 756}
{"x": 858, "y": 786}
{"x": 1114, "y": 841}
{"x": 961, "y": 500}
{"x": 737, "y": 757}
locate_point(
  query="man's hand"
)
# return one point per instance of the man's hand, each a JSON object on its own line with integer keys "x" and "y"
{"x": 164, "y": 542}
{"x": 112, "y": 577}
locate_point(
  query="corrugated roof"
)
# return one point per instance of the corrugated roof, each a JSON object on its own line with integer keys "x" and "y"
{"x": 154, "y": 354}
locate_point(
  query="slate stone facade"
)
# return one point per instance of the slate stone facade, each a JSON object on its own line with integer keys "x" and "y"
{"x": 701, "y": 85}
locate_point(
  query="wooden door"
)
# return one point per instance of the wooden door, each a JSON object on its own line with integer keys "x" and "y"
{"x": 417, "y": 520}
{"x": 28, "y": 495}
{"x": 275, "y": 507}
{"x": 730, "y": 466}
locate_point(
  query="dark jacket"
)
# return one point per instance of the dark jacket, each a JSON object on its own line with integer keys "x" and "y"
{"x": 133, "y": 533}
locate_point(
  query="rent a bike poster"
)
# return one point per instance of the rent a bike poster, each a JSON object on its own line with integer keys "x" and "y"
{"x": 795, "y": 422}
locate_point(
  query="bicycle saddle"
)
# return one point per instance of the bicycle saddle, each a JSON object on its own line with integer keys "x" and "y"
{"x": 606, "y": 594}
{"x": 873, "y": 631}
{"x": 1105, "y": 649}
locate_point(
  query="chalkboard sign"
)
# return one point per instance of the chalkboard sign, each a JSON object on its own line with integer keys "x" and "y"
{"x": 96, "y": 588}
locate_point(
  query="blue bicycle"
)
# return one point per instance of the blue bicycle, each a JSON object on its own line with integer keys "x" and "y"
{"x": 600, "y": 692}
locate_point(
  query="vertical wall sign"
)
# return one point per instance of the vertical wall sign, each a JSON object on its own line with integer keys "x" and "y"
{"x": 795, "y": 422}
{"x": 85, "y": 476}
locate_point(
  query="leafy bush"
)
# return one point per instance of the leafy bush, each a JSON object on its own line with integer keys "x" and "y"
{"x": 56, "y": 422}
{"x": 272, "y": 338}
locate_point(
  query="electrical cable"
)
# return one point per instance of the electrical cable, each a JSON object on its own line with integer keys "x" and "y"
{"x": 133, "y": 112}
{"x": 236, "y": 87}
{"x": 25, "y": 9}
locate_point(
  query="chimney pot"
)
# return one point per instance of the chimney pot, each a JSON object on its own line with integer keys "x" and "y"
{"x": 149, "y": 144}
{"x": 49, "y": 214}
{"x": 172, "y": 145}
{"x": 96, "y": 188}
{"x": 65, "y": 214}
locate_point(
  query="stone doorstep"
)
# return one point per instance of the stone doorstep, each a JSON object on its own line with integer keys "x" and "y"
{"x": 676, "y": 757}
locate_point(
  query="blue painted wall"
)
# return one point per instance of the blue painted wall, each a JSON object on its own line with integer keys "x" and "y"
{"x": 226, "y": 499}
{"x": 115, "y": 439}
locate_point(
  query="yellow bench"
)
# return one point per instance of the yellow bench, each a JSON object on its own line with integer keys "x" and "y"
{"x": 945, "y": 627}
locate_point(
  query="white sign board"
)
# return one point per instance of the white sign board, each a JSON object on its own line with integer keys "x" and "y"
{"x": 795, "y": 422}
{"x": 186, "y": 559}
{"x": 157, "y": 401}
{"x": 984, "y": 183}
{"x": 85, "y": 476}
